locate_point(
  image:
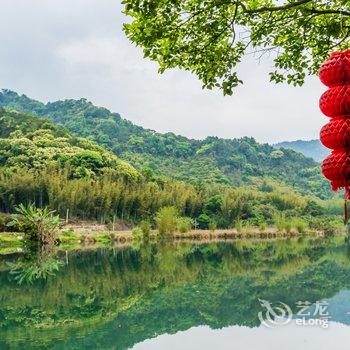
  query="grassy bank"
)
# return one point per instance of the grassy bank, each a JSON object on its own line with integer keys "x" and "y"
{"x": 11, "y": 242}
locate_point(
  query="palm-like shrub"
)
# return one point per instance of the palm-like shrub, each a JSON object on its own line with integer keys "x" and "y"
{"x": 38, "y": 224}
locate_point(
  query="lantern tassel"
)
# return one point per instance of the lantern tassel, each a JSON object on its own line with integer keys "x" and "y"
{"x": 346, "y": 215}
{"x": 346, "y": 198}
{"x": 345, "y": 212}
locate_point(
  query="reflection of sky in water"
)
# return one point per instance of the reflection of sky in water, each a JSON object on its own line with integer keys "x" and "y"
{"x": 290, "y": 337}
{"x": 337, "y": 309}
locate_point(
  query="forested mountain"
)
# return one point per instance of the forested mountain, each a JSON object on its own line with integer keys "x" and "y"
{"x": 213, "y": 160}
{"x": 312, "y": 148}
{"x": 44, "y": 164}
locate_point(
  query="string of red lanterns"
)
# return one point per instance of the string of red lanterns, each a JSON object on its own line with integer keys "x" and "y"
{"x": 335, "y": 104}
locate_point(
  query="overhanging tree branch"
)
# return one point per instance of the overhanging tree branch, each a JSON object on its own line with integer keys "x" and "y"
{"x": 292, "y": 5}
{"x": 202, "y": 36}
{"x": 328, "y": 12}
{"x": 274, "y": 8}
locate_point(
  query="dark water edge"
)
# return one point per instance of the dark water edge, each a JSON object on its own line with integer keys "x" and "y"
{"x": 115, "y": 298}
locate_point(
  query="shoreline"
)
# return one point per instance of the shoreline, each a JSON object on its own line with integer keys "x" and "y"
{"x": 11, "y": 242}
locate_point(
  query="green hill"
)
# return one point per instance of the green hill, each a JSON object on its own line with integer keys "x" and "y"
{"x": 311, "y": 148}
{"x": 34, "y": 143}
{"x": 43, "y": 163}
{"x": 213, "y": 160}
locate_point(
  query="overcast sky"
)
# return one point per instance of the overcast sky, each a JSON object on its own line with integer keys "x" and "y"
{"x": 57, "y": 49}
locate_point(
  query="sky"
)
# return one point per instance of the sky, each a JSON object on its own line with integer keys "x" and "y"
{"x": 58, "y": 49}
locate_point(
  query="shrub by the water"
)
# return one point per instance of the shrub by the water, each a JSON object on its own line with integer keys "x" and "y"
{"x": 238, "y": 226}
{"x": 145, "y": 227}
{"x": 279, "y": 221}
{"x": 38, "y": 224}
{"x": 300, "y": 225}
{"x": 212, "y": 225}
{"x": 137, "y": 233}
{"x": 184, "y": 224}
{"x": 166, "y": 219}
{"x": 288, "y": 225}
{"x": 262, "y": 226}
{"x": 203, "y": 221}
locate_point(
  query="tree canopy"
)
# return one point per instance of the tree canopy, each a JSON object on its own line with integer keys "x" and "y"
{"x": 210, "y": 37}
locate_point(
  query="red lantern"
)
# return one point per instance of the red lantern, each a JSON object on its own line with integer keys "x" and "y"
{"x": 336, "y": 70}
{"x": 336, "y": 168}
{"x": 335, "y": 103}
{"x": 336, "y": 134}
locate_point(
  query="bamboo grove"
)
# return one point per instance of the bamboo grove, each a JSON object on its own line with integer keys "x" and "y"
{"x": 101, "y": 198}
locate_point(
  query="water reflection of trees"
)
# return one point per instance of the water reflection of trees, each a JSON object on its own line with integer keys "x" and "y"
{"x": 37, "y": 264}
{"x": 134, "y": 293}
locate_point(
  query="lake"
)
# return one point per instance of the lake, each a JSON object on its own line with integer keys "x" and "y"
{"x": 169, "y": 295}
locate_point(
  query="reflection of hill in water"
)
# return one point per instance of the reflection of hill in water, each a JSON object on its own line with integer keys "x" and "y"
{"x": 117, "y": 298}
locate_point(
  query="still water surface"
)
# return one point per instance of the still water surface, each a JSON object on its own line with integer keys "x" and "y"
{"x": 179, "y": 296}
